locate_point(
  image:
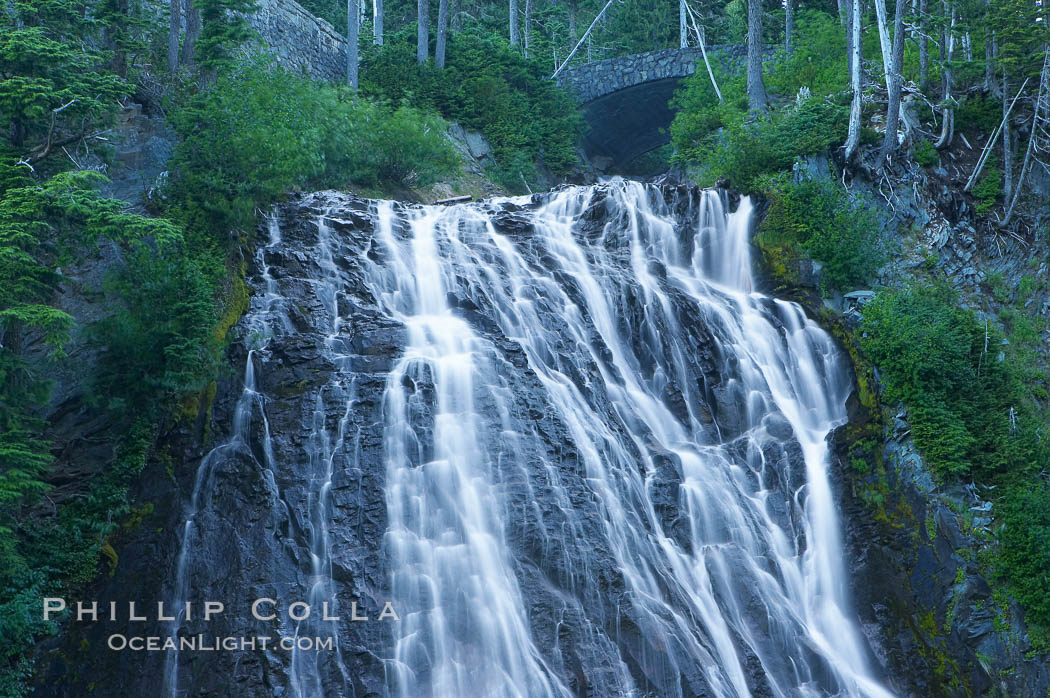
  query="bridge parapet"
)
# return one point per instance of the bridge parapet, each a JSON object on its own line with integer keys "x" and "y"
{"x": 599, "y": 78}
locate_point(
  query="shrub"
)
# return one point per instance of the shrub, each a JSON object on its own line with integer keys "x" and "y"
{"x": 925, "y": 154}
{"x": 402, "y": 146}
{"x": 989, "y": 187}
{"x": 970, "y": 411}
{"x": 159, "y": 344}
{"x": 261, "y": 131}
{"x": 818, "y": 60}
{"x": 488, "y": 86}
{"x": 1024, "y": 554}
{"x": 978, "y": 113}
{"x": 745, "y": 151}
{"x": 818, "y": 218}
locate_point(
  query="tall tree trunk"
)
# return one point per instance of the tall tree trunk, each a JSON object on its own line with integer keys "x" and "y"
{"x": 422, "y": 31}
{"x": 885, "y": 41}
{"x": 116, "y": 40}
{"x": 947, "y": 54}
{"x": 572, "y": 20}
{"x": 853, "y": 135}
{"x": 893, "y": 85}
{"x": 174, "y": 25}
{"x": 848, "y": 23}
{"x": 683, "y": 28}
{"x": 528, "y": 27}
{"x": 377, "y": 22}
{"x": 442, "y": 34}
{"x": 585, "y": 38}
{"x": 844, "y": 11}
{"x": 756, "y": 89}
{"x": 193, "y": 31}
{"x": 353, "y": 36}
{"x": 989, "y": 60}
{"x": 513, "y": 12}
{"x": 924, "y": 48}
{"x": 1008, "y": 153}
{"x": 991, "y": 85}
{"x": 789, "y": 26}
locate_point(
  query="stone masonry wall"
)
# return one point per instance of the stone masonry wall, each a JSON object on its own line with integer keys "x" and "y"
{"x": 300, "y": 40}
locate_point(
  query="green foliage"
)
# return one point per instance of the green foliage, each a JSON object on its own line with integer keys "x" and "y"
{"x": 42, "y": 224}
{"x": 261, "y": 131}
{"x": 818, "y": 60}
{"x": 51, "y": 89}
{"x": 745, "y": 151}
{"x": 223, "y": 30}
{"x": 820, "y": 219}
{"x": 989, "y": 187}
{"x": 1024, "y": 554}
{"x": 334, "y": 11}
{"x": 925, "y": 154}
{"x": 969, "y": 411}
{"x": 487, "y": 86}
{"x": 979, "y": 113}
{"x": 158, "y": 344}
{"x": 1026, "y": 287}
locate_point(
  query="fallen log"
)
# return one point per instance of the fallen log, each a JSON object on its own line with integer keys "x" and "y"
{"x": 454, "y": 200}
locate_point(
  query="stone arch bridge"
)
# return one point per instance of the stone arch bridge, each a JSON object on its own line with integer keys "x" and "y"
{"x": 625, "y": 99}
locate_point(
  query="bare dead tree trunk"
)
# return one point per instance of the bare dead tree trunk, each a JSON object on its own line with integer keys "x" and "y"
{"x": 848, "y": 23}
{"x": 572, "y": 20}
{"x": 853, "y": 135}
{"x": 528, "y": 27}
{"x": 1008, "y": 153}
{"x": 1040, "y": 114}
{"x": 987, "y": 150}
{"x": 422, "y": 31}
{"x": 924, "y": 48}
{"x": 353, "y": 35}
{"x": 789, "y": 26}
{"x": 885, "y": 41}
{"x": 756, "y": 89}
{"x": 514, "y": 38}
{"x": 193, "y": 31}
{"x": 947, "y": 54}
{"x": 174, "y": 25}
{"x": 893, "y": 85}
{"x": 701, "y": 41}
{"x": 377, "y": 22}
{"x": 442, "y": 34}
{"x": 683, "y": 29}
{"x": 586, "y": 37}
{"x": 455, "y": 20}
{"x": 843, "y": 11}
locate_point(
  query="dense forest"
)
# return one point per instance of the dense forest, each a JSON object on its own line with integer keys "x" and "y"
{"x": 878, "y": 87}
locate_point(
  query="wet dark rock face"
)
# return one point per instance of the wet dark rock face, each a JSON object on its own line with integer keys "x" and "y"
{"x": 252, "y": 537}
{"x": 937, "y": 625}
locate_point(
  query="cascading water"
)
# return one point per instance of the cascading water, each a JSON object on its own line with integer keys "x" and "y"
{"x": 600, "y": 456}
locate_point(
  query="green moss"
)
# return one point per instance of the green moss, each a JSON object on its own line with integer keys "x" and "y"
{"x": 136, "y": 517}
{"x": 236, "y": 305}
{"x": 110, "y": 555}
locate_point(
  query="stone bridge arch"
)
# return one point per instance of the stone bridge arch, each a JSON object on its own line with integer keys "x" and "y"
{"x": 625, "y": 99}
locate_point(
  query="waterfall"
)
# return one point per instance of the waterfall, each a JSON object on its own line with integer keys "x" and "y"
{"x": 601, "y": 453}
